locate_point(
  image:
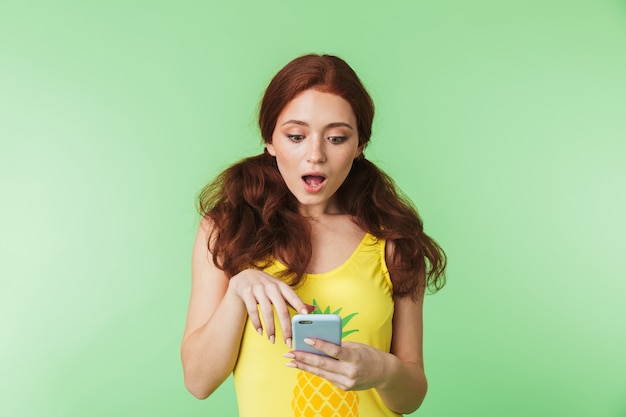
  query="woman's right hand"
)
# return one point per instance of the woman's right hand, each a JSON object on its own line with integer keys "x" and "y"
{"x": 260, "y": 291}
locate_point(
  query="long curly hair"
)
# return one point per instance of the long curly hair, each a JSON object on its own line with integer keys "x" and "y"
{"x": 256, "y": 217}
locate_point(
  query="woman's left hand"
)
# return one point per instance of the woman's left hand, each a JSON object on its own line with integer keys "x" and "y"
{"x": 357, "y": 366}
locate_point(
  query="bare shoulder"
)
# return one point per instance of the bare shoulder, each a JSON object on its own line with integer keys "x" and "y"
{"x": 407, "y": 340}
{"x": 208, "y": 283}
{"x": 389, "y": 249}
{"x": 201, "y": 256}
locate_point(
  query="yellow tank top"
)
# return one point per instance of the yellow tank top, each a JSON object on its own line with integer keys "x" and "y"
{"x": 267, "y": 388}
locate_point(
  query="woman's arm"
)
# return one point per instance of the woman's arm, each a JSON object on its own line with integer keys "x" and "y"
{"x": 215, "y": 322}
{"x": 218, "y": 310}
{"x": 405, "y": 387}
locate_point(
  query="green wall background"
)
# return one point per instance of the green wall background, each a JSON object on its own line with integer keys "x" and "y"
{"x": 505, "y": 121}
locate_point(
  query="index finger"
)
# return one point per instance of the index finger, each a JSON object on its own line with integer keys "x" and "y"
{"x": 295, "y": 301}
{"x": 292, "y": 299}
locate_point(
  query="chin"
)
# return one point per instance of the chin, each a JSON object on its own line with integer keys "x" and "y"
{"x": 311, "y": 201}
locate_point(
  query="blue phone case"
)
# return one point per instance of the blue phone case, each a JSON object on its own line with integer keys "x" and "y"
{"x": 326, "y": 327}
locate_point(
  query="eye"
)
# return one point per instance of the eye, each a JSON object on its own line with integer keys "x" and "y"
{"x": 295, "y": 138}
{"x": 337, "y": 139}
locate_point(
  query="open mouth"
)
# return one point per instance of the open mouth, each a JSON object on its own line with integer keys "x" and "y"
{"x": 313, "y": 181}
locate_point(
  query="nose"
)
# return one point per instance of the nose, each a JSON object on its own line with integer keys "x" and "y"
{"x": 316, "y": 153}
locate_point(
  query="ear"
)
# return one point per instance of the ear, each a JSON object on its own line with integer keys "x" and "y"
{"x": 270, "y": 148}
{"x": 359, "y": 152}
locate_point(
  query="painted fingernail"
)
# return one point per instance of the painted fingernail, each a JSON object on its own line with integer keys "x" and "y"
{"x": 260, "y": 331}
{"x": 288, "y": 342}
{"x": 272, "y": 339}
{"x": 309, "y": 342}
{"x": 291, "y": 365}
{"x": 289, "y": 355}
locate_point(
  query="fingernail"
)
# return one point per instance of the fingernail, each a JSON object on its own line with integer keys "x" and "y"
{"x": 309, "y": 342}
{"x": 272, "y": 339}
{"x": 288, "y": 342}
{"x": 290, "y": 365}
{"x": 260, "y": 331}
{"x": 289, "y": 355}
{"x": 304, "y": 311}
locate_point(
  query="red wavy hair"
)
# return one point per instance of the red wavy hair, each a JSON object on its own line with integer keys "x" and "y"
{"x": 256, "y": 217}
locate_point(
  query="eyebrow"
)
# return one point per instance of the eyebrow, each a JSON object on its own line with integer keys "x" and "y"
{"x": 330, "y": 125}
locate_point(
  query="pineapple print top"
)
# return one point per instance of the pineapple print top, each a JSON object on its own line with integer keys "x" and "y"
{"x": 360, "y": 291}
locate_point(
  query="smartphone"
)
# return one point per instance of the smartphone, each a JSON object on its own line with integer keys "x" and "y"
{"x": 326, "y": 327}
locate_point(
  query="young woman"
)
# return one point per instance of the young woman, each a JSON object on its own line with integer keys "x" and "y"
{"x": 310, "y": 224}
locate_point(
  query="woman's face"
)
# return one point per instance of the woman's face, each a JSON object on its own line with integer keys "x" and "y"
{"x": 315, "y": 141}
